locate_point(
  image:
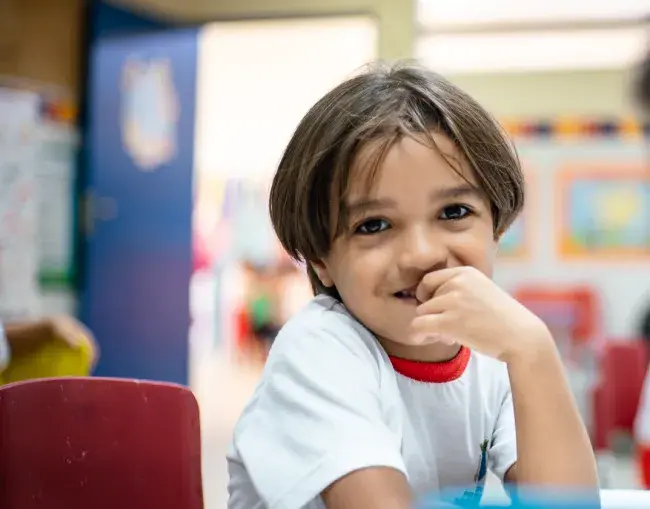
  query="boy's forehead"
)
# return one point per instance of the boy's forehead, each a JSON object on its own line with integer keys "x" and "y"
{"x": 379, "y": 170}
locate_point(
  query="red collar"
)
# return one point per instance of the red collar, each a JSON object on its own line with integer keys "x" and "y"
{"x": 433, "y": 372}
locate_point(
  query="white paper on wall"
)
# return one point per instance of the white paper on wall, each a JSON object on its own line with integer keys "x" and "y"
{"x": 19, "y": 295}
{"x": 54, "y": 174}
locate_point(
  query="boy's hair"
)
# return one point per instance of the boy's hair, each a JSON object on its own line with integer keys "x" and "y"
{"x": 382, "y": 105}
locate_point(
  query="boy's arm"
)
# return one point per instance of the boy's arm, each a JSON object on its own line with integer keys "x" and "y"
{"x": 380, "y": 488}
{"x": 552, "y": 443}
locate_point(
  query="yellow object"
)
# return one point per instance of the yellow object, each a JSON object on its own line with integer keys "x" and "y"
{"x": 631, "y": 127}
{"x": 620, "y": 207}
{"x": 55, "y": 358}
{"x": 569, "y": 127}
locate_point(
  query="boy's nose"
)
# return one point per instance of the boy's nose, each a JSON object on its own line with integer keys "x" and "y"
{"x": 422, "y": 251}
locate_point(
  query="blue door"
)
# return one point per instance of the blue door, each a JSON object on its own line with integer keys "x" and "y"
{"x": 137, "y": 250}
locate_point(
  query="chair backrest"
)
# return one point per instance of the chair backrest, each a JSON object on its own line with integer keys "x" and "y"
{"x": 624, "y": 367}
{"x": 79, "y": 443}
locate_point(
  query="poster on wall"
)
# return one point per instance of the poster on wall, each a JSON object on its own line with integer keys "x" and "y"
{"x": 604, "y": 211}
{"x": 19, "y": 295}
{"x": 55, "y": 172}
{"x": 256, "y": 286}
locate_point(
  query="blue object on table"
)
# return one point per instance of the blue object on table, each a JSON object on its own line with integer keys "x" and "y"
{"x": 530, "y": 499}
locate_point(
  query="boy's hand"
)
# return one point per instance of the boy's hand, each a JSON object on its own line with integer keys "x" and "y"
{"x": 462, "y": 305}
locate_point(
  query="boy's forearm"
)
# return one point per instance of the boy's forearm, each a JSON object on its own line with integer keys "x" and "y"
{"x": 552, "y": 442}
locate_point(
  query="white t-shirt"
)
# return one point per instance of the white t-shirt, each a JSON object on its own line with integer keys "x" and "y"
{"x": 331, "y": 402}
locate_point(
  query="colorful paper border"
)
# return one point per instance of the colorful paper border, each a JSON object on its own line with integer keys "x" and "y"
{"x": 572, "y": 128}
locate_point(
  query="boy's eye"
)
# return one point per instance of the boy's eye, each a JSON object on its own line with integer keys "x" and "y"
{"x": 455, "y": 212}
{"x": 372, "y": 226}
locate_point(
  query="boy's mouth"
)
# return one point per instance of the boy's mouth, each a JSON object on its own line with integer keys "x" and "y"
{"x": 408, "y": 294}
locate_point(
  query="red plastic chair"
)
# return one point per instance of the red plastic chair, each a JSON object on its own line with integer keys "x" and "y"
{"x": 623, "y": 368}
{"x": 81, "y": 443}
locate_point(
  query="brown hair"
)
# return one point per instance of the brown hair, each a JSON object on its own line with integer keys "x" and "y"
{"x": 384, "y": 103}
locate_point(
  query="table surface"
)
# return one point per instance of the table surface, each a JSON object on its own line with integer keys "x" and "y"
{"x": 610, "y": 499}
{"x": 625, "y": 499}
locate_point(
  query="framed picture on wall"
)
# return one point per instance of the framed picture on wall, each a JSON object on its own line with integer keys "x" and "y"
{"x": 603, "y": 211}
{"x": 515, "y": 244}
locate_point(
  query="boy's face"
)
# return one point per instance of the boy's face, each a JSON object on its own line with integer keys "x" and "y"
{"x": 418, "y": 216}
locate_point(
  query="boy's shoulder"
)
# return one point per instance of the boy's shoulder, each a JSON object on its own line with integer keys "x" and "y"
{"x": 325, "y": 326}
{"x": 326, "y": 310}
{"x": 318, "y": 356}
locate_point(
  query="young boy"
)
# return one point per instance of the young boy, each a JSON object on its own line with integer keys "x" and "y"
{"x": 408, "y": 370}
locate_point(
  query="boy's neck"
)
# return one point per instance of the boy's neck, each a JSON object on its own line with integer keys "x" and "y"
{"x": 436, "y": 352}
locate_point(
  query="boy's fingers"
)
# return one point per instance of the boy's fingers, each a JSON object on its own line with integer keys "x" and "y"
{"x": 432, "y": 282}
{"x": 434, "y": 305}
{"x": 430, "y": 328}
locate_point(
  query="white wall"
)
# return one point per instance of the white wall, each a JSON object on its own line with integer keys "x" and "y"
{"x": 624, "y": 285}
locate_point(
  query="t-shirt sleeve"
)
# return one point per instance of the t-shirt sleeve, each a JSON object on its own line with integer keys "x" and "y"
{"x": 503, "y": 453}
{"x": 316, "y": 417}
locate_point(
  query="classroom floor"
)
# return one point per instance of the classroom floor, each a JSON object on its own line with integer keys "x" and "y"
{"x": 223, "y": 388}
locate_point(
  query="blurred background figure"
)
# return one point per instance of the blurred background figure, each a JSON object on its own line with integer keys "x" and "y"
{"x": 260, "y": 314}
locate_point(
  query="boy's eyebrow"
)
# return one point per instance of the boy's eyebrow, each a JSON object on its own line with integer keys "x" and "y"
{"x": 456, "y": 192}
{"x": 368, "y": 204}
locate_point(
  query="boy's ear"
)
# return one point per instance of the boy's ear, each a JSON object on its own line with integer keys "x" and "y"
{"x": 323, "y": 274}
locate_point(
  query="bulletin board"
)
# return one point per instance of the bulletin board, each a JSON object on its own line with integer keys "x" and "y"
{"x": 591, "y": 181}
{"x": 590, "y": 210}
{"x": 38, "y": 142}
{"x": 603, "y": 211}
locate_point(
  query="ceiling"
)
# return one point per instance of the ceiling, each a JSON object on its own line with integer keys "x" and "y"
{"x": 187, "y": 9}
{"x": 206, "y": 10}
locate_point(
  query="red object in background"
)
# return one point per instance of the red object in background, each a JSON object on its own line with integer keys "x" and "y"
{"x": 92, "y": 443}
{"x": 582, "y": 301}
{"x": 623, "y": 367}
{"x": 243, "y": 328}
{"x": 643, "y": 457}
{"x": 601, "y": 426}
{"x": 202, "y": 259}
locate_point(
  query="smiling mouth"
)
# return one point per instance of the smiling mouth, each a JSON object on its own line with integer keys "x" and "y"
{"x": 406, "y": 295}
